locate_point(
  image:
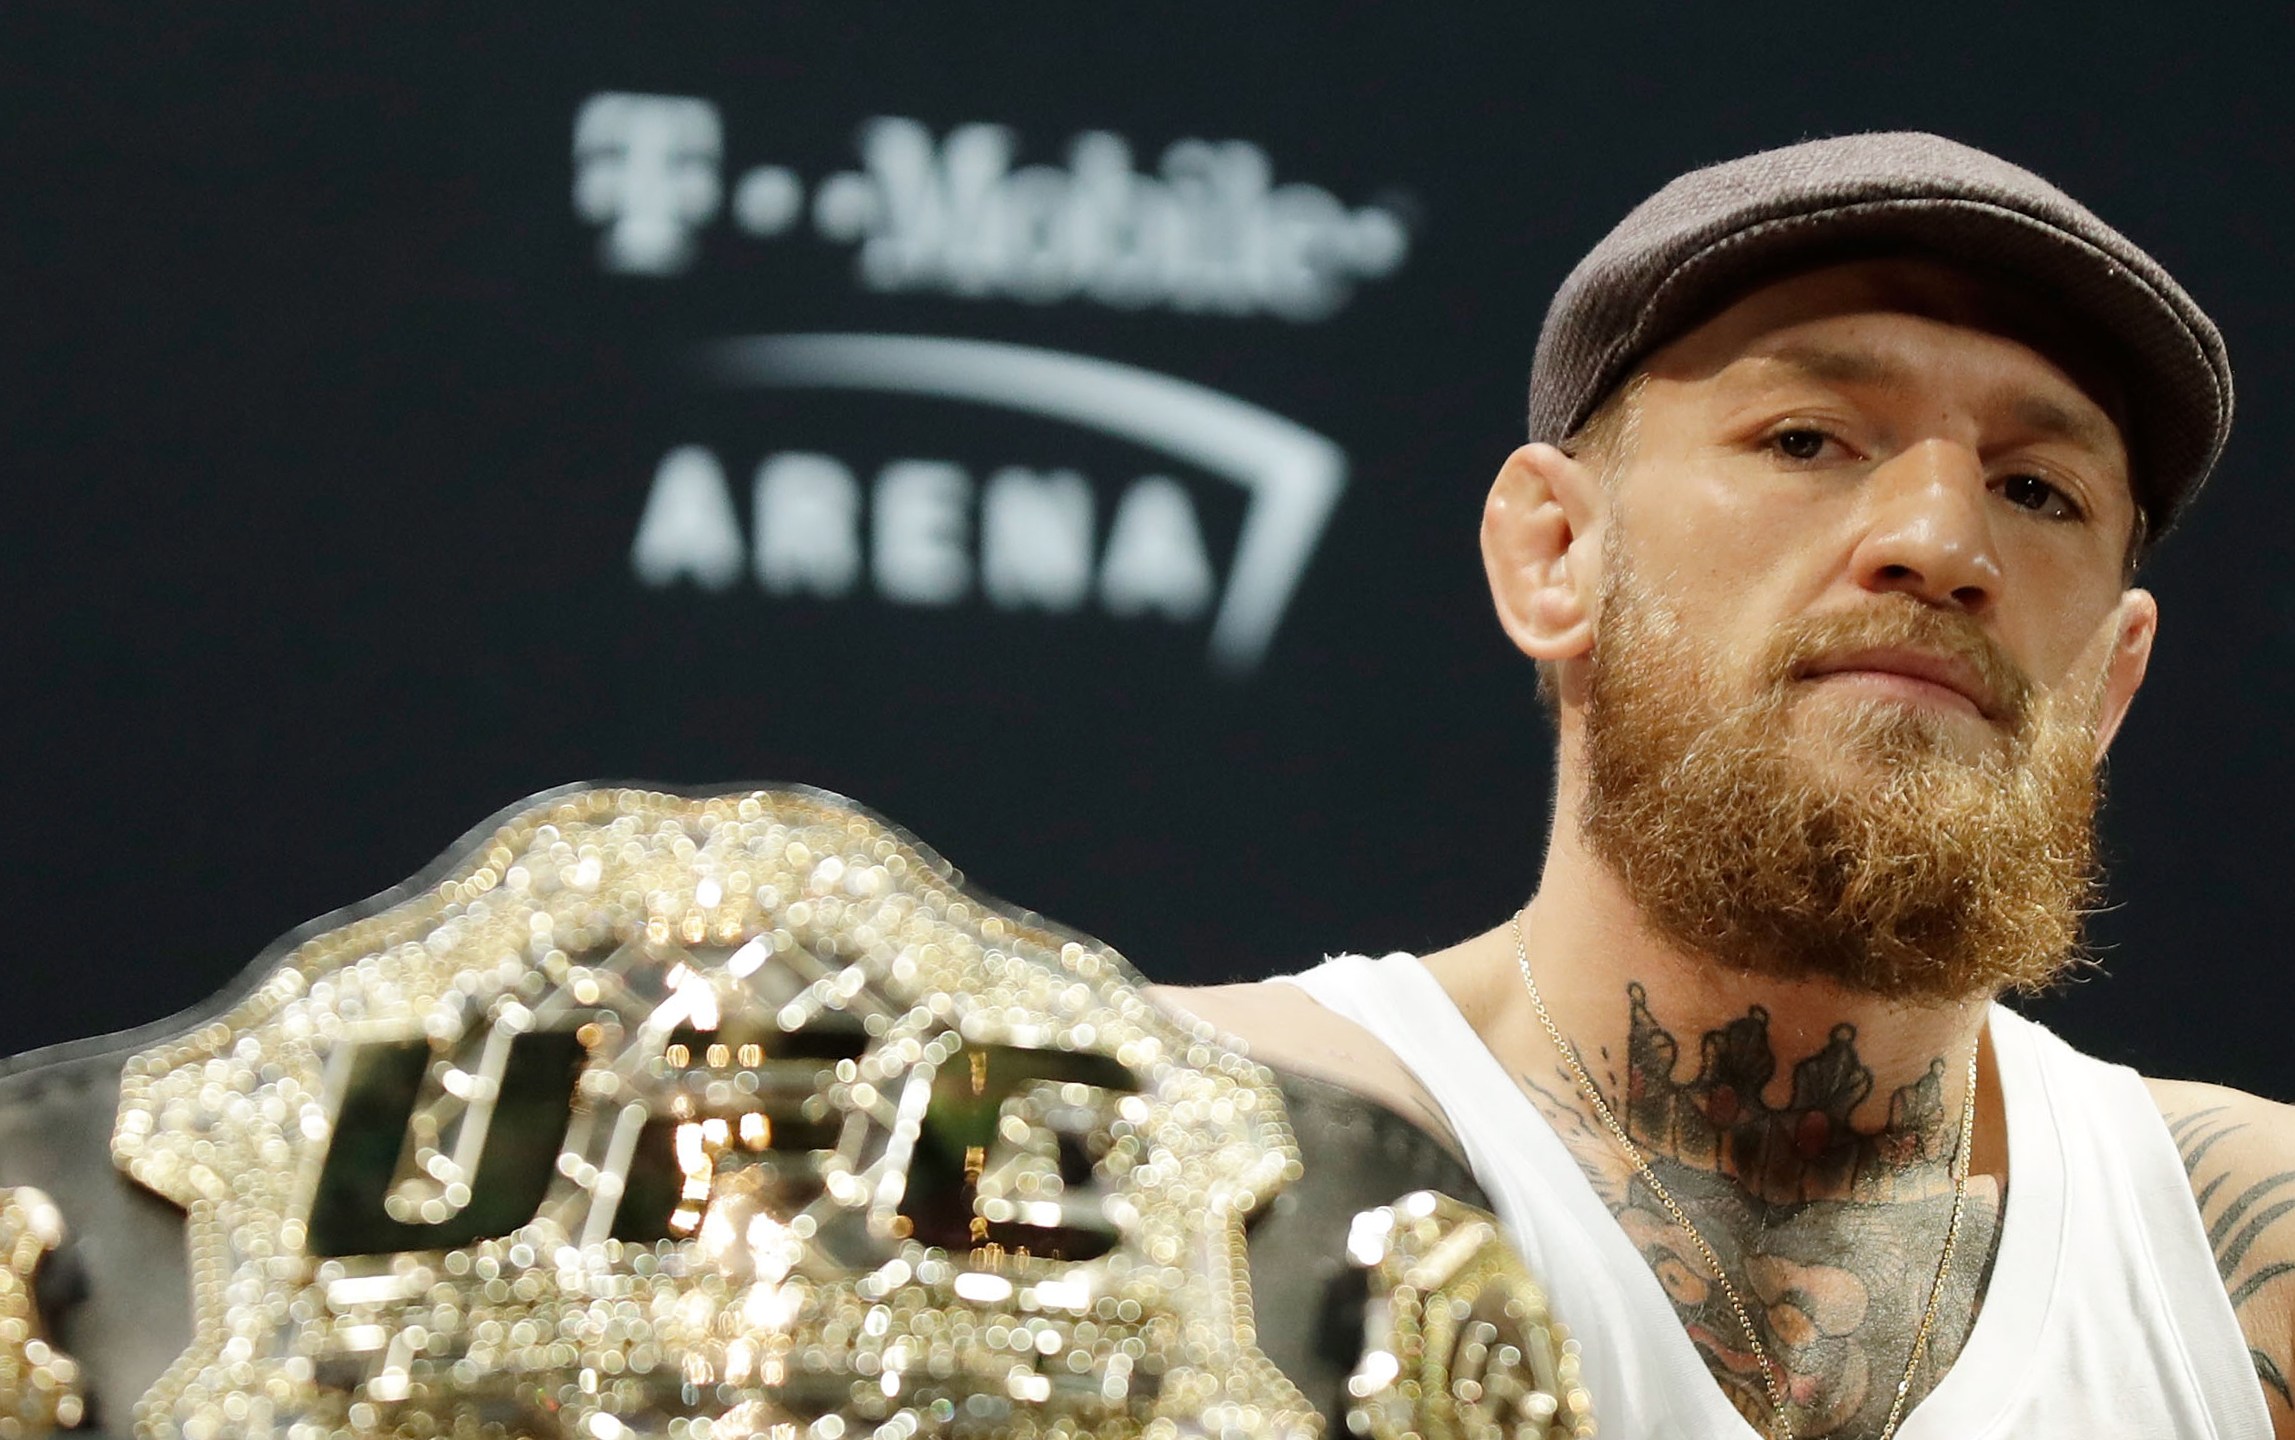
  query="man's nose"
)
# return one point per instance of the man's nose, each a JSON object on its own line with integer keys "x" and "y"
{"x": 1927, "y": 528}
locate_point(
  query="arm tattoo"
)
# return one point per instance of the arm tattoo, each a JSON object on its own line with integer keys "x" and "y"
{"x": 1831, "y": 1232}
{"x": 2267, "y": 1370}
{"x": 2240, "y": 1213}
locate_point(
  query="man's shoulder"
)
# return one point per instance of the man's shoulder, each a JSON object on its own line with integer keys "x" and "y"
{"x": 2239, "y": 1150}
{"x": 2190, "y": 1097}
{"x": 2225, "y": 1132}
{"x": 1285, "y": 1028}
{"x": 2230, "y": 1141}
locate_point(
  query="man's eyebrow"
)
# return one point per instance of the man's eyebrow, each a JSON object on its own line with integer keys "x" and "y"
{"x": 2060, "y": 422}
{"x": 2039, "y": 413}
{"x": 1840, "y": 367}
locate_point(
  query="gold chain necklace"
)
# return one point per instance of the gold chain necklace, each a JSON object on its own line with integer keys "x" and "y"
{"x": 1780, "y": 1426}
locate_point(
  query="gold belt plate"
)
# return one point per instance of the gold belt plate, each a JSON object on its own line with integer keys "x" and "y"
{"x": 706, "y": 1119}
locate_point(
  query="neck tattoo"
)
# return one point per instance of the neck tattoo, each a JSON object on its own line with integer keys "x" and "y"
{"x": 1772, "y": 1376}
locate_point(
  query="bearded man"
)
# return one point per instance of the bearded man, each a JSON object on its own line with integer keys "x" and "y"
{"x": 1845, "y": 456}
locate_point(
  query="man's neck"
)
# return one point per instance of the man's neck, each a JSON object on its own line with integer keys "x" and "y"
{"x": 1795, "y": 1089}
{"x": 1808, "y": 1131}
{"x": 1809, "y": 1134}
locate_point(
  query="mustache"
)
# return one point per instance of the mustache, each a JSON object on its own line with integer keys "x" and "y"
{"x": 1905, "y": 623}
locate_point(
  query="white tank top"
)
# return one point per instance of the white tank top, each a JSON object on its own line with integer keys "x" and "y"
{"x": 2105, "y": 1316}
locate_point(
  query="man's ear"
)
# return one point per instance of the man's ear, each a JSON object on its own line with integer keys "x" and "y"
{"x": 2137, "y": 621}
{"x": 1540, "y": 549}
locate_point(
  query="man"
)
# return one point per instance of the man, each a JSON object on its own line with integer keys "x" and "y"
{"x": 1846, "y": 455}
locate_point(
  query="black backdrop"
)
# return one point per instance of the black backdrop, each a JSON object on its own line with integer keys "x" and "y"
{"x": 348, "y": 356}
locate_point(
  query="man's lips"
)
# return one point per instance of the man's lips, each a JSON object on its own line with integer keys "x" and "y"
{"x": 1917, "y": 675}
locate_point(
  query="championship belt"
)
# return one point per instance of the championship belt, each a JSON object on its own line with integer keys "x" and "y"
{"x": 734, "y": 1117}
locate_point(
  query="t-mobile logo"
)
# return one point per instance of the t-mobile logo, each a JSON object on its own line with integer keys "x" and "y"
{"x": 1207, "y": 228}
{"x": 646, "y": 168}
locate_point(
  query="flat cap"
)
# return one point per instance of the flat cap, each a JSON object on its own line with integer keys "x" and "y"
{"x": 1680, "y": 256}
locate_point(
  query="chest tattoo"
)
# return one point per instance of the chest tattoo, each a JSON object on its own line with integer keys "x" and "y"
{"x": 1831, "y": 1233}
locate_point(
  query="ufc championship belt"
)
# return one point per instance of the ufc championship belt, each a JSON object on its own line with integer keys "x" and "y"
{"x": 732, "y": 1117}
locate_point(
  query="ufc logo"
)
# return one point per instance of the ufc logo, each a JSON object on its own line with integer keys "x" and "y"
{"x": 434, "y": 1147}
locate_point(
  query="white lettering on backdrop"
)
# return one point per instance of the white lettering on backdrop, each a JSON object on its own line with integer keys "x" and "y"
{"x": 1025, "y": 539}
{"x": 1209, "y": 231}
{"x": 1035, "y": 551}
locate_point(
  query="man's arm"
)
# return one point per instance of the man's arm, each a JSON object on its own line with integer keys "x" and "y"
{"x": 2240, "y": 1153}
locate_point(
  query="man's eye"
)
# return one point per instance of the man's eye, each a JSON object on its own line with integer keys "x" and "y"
{"x": 2030, "y": 492}
{"x": 1800, "y": 443}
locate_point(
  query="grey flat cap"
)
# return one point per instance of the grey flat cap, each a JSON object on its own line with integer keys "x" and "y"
{"x": 1682, "y": 254}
